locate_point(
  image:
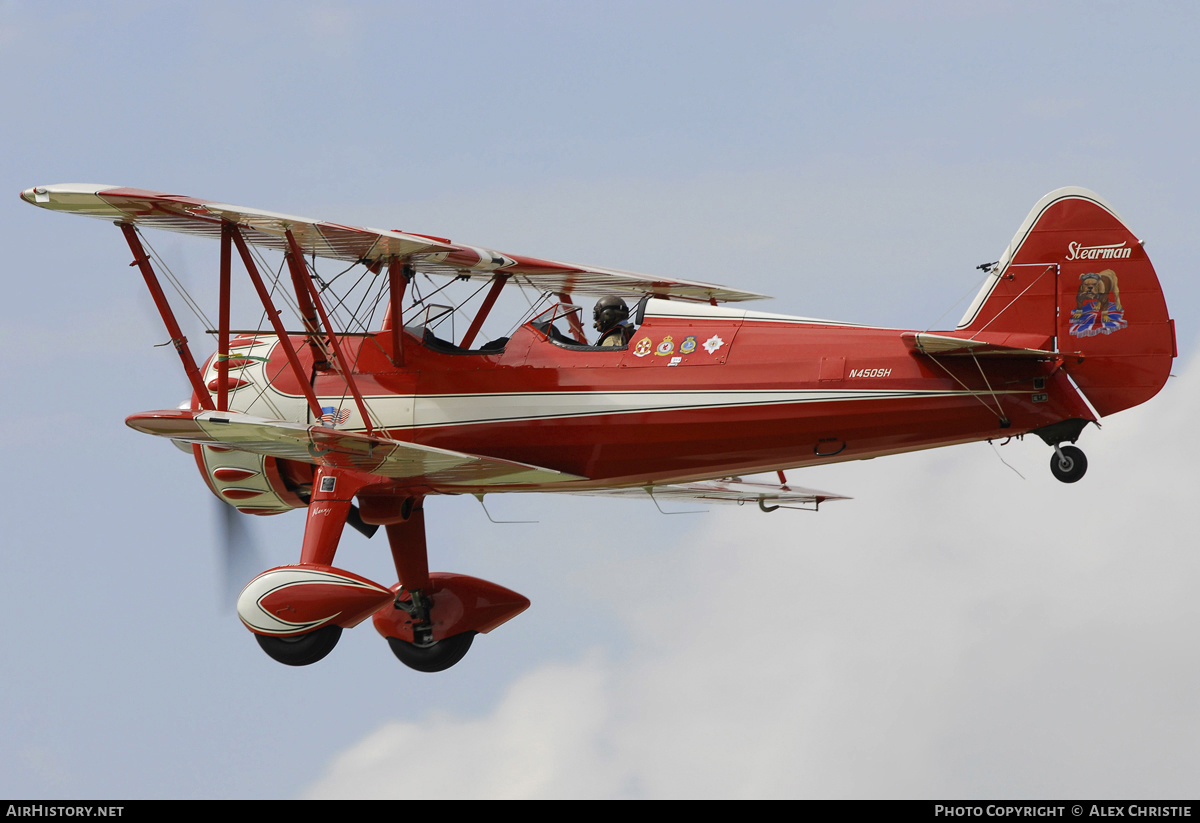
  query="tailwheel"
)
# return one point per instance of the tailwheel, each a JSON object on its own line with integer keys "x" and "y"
{"x": 301, "y": 649}
{"x": 1068, "y": 463}
{"x": 434, "y": 657}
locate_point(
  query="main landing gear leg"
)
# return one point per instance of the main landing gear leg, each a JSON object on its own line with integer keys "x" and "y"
{"x": 298, "y": 612}
{"x": 276, "y": 618}
{"x": 409, "y": 552}
{"x": 327, "y": 513}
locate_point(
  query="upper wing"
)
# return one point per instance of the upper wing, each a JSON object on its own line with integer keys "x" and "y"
{"x": 432, "y": 255}
{"x": 733, "y": 490}
{"x": 348, "y": 450}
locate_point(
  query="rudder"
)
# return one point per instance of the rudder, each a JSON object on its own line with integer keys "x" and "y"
{"x": 1074, "y": 272}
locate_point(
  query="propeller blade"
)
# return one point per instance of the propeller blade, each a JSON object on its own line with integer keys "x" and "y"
{"x": 240, "y": 557}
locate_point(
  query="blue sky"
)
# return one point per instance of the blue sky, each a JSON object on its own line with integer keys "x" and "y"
{"x": 953, "y": 631}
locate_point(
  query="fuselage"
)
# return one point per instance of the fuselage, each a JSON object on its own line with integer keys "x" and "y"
{"x": 700, "y": 392}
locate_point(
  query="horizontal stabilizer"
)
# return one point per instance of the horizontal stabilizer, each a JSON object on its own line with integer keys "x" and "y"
{"x": 323, "y": 446}
{"x": 938, "y": 345}
{"x": 728, "y": 490}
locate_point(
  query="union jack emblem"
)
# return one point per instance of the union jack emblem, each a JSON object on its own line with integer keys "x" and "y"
{"x": 334, "y": 417}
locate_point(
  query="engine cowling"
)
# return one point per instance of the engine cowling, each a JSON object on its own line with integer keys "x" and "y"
{"x": 254, "y": 483}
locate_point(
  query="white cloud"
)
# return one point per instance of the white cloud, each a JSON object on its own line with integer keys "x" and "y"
{"x": 529, "y": 746}
{"x": 955, "y": 632}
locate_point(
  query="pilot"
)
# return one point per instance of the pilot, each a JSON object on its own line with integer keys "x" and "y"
{"x": 611, "y": 317}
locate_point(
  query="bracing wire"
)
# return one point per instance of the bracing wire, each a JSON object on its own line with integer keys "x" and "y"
{"x": 183, "y": 293}
{"x": 953, "y": 305}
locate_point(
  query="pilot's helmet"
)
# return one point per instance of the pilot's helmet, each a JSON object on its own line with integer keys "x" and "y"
{"x": 609, "y": 312}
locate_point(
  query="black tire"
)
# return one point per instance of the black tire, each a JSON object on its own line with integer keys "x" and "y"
{"x": 436, "y": 658}
{"x": 1070, "y": 467}
{"x": 301, "y": 649}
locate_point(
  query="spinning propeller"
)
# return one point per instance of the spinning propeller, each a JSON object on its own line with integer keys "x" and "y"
{"x": 241, "y": 559}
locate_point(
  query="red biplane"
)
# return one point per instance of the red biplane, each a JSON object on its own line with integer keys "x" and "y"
{"x": 1070, "y": 325}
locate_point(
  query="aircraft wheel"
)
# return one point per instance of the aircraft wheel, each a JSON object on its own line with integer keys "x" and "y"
{"x": 1070, "y": 466}
{"x": 302, "y": 649}
{"x": 436, "y": 658}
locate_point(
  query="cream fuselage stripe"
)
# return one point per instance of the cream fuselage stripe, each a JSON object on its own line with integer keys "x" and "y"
{"x": 465, "y": 409}
{"x": 429, "y": 410}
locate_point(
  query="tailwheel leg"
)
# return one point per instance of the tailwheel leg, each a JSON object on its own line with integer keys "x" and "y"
{"x": 1068, "y": 463}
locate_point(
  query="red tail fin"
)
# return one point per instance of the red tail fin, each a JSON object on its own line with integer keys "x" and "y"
{"x": 1074, "y": 272}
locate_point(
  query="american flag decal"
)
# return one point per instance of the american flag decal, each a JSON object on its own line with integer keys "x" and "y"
{"x": 334, "y": 417}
